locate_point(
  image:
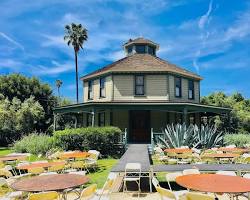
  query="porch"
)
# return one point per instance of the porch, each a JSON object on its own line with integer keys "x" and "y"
{"x": 138, "y": 119}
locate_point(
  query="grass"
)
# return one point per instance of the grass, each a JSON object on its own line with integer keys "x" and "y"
{"x": 4, "y": 151}
{"x": 99, "y": 177}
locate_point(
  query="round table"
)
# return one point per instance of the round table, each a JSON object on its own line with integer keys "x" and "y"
{"x": 13, "y": 158}
{"x": 179, "y": 151}
{"x": 44, "y": 165}
{"x": 214, "y": 183}
{"x": 220, "y": 155}
{"x": 227, "y": 149}
{"x": 57, "y": 182}
{"x": 75, "y": 155}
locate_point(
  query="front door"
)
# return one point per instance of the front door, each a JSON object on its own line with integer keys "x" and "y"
{"x": 139, "y": 127}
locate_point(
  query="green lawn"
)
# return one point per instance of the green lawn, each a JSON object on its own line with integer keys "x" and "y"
{"x": 4, "y": 151}
{"x": 99, "y": 176}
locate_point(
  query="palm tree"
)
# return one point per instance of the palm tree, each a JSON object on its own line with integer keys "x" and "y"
{"x": 58, "y": 85}
{"x": 75, "y": 35}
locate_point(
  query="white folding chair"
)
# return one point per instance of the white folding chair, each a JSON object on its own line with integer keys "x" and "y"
{"x": 132, "y": 174}
{"x": 228, "y": 173}
{"x": 191, "y": 171}
{"x": 170, "y": 177}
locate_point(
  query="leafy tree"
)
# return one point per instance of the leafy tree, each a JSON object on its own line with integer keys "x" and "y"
{"x": 18, "y": 118}
{"x": 21, "y": 87}
{"x": 76, "y": 35}
{"x": 239, "y": 120}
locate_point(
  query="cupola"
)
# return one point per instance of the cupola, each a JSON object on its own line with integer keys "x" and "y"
{"x": 140, "y": 46}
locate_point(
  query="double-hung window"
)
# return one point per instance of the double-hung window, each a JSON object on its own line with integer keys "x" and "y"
{"x": 190, "y": 89}
{"x": 177, "y": 87}
{"x": 90, "y": 90}
{"x": 102, "y": 87}
{"x": 139, "y": 85}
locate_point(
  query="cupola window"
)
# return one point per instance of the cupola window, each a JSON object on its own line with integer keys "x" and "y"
{"x": 140, "y": 49}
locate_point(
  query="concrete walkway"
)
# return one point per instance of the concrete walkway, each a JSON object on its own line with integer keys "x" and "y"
{"x": 135, "y": 153}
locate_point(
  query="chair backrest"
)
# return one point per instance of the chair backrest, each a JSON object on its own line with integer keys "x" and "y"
{"x": 246, "y": 175}
{"x": 228, "y": 173}
{"x": 88, "y": 192}
{"x": 165, "y": 193}
{"x": 97, "y": 153}
{"x": 172, "y": 176}
{"x": 231, "y": 146}
{"x": 3, "y": 181}
{"x": 83, "y": 173}
{"x": 198, "y": 196}
{"x": 47, "y": 173}
{"x": 57, "y": 167}
{"x": 191, "y": 171}
{"x": 132, "y": 170}
{"x": 155, "y": 182}
{"x": 44, "y": 195}
{"x": 40, "y": 161}
{"x": 133, "y": 166}
{"x": 6, "y": 173}
{"x": 36, "y": 170}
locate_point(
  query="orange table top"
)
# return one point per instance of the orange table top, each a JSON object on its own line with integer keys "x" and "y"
{"x": 220, "y": 155}
{"x": 214, "y": 183}
{"x": 226, "y": 149}
{"x": 11, "y": 158}
{"x": 55, "y": 182}
{"x": 184, "y": 150}
{"x": 34, "y": 165}
{"x": 75, "y": 155}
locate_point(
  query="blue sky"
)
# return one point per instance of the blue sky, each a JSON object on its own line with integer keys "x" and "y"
{"x": 209, "y": 37}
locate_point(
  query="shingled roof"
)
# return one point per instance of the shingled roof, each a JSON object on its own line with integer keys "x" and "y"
{"x": 138, "y": 63}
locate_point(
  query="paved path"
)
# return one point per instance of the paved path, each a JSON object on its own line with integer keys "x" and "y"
{"x": 135, "y": 153}
{"x": 202, "y": 167}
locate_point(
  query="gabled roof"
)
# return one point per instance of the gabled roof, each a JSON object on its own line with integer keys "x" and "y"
{"x": 138, "y": 63}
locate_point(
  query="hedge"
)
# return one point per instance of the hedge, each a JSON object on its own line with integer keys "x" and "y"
{"x": 103, "y": 139}
{"x": 35, "y": 143}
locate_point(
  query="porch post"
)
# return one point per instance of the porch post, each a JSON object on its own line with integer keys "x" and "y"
{"x": 93, "y": 117}
{"x": 184, "y": 116}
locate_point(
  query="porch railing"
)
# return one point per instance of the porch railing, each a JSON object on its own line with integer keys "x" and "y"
{"x": 124, "y": 138}
{"x": 155, "y": 138}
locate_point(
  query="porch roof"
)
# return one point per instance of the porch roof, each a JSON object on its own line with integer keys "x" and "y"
{"x": 142, "y": 105}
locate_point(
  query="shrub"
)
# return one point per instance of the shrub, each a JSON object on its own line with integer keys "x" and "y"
{"x": 103, "y": 139}
{"x": 240, "y": 140}
{"x": 182, "y": 135}
{"x": 34, "y": 144}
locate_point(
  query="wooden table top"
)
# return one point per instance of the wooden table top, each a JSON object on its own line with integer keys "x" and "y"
{"x": 75, "y": 155}
{"x": 11, "y": 158}
{"x": 226, "y": 149}
{"x": 220, "y": 155}
{"x": 184, "y": 150}
{"x": 34, "y": 165}
{"x": 214, "y": 183}
{"x": 57, "y": 182}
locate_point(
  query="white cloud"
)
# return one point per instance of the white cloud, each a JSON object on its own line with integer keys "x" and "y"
{"x": 17, "y": 44}
{"x": 205, "y": 18}
{"x": 55, "y": 69}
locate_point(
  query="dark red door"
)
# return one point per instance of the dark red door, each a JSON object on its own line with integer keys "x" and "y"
{"x": 139, "y": 127}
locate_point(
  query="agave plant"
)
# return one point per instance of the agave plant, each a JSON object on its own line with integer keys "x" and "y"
{"x": 178, "y": 135}
{"x": 207, "y": 136}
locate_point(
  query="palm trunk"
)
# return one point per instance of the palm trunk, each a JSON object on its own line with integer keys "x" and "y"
{"x": 77, "y": 100}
